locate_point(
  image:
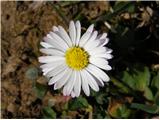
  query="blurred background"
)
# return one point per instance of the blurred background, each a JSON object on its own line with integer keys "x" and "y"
{"x": 133, "y": 29}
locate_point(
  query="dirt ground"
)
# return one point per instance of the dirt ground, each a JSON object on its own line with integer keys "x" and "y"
{"x": 23, "y": 27}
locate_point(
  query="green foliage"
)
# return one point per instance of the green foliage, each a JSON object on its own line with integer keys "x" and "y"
{"x": 142, "y": 79}
{"x": 147, "y": 108}
{"x": 148, "y": 94}
{"x": 142, "y": 84}
{"x": 155, "y": 81}
{"x": 122, "y": 88}
{"x": 123, "y": 112}
{"x": 40, "y": 90}
{"x": 32, "y": 73}
{"x": 101, "y": 98}
{"x": 119, "y": 7}
{"x": 123, "y": 6}
{"x": 78, "y": 103}
{"x": 138, "y": 80}
{"x": 128, "y": 79}
{"x": 48, "y": 113}
{"x": 156, "y": 98}
{"x": 120, "y": 111}
{"x": 155, "y": 87}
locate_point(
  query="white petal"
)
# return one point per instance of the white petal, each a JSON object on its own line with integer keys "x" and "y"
{"x": 109, "y": 50}
{"x": 51, "y": 67}
{"x": 52, "y": 64}
{"x": 97, "y": 50}
{"x": 100, "y": 62}
{"x": 102, "y": 36}
{"x": 52, "y": 52}
{"x": 90, "y": 28}
{"x": 78, "y": 31}
{"x": 57, "y": 70}
{"x": 65, "y": 91}
{"x": 54, "y": 28}
{"x": 60, "y": 32}
{"x": 103, "y": 42}
{"x": 77, "y": 86}
{"x": 73, "y": 94}
{"x": 57, "y": 77}
{"x": 104, "y": 55}
{"x": 106, "y": 41}
{"x": 49, "y": 36}
{"x": 72, "y": 32}
{"x": 48, "y": 59}
{"x": 92, "y": 45}
{"x": 91, "y": 39}
{"x": 92, "y": 83}
{"x": 65, "y": 36}
{"x": 63, "y": 81}
{"x": 46, "y": 45}
{"x": 97, "y": 60}
{"x": 99, "y": 82}
{"x": 86, "y": 36}
{"x": 70, "y": 83}
{"x": 59, "y": 40}
{"x": 46, "y": 70}
{"x": 98, "y": 73}
{"x": 94, "y": 35}
{"x": 85, "y": 85}
{"x": 53, "y": 42}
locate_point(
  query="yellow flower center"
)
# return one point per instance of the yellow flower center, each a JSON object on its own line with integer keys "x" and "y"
{"x": 77, "y": 58}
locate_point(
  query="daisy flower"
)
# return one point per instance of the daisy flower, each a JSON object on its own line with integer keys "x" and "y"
{"x": 75, "y": 62}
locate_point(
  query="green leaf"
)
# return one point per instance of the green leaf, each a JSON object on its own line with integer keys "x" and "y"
{"x": 121, "y": 86}
{"x": 147, "y": 108}
{"x": 131, "y": 8}
{"x": 123, "y": 6}
{"x": 40, "y": 90}
{"x": 78, "y": 103}
{"x": 117, "y": 109}
{"x": 156, "y": 98}
{"x": 100, "y": 98}
{"x": 48, "y": 113}
{"x": 142, "y": 79}
{"x": 99, "y": 116}
{"x": 118, "y": 8}
{"x": 138, "y": 80}
{"x": 155, "y": 81}
{"x": 128, "y": 79}
{"x": 148, "y": 94}
{"x": 123, "y": 111}
{"x": 32, "y": 73}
